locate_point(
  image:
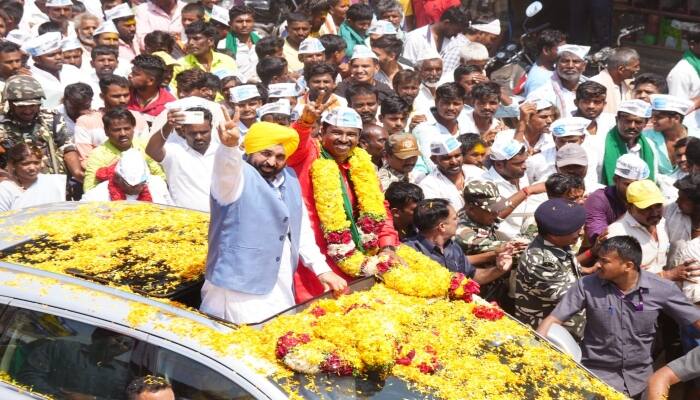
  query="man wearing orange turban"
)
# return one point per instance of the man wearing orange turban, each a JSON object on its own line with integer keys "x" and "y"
{"x": 259, "y": 226}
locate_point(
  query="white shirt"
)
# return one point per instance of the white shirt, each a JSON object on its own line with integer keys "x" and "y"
{"x": 419, "y": 41}
{"x": 678, "y": 226}
{"x": 53, "y": 88}
{"x": 437, "y": 185}
{"x": 467, "y": 124}
{"x": 188, "y": 173}
{"x": 687, "y": 251}
{"x": 544, "y": 142}
{"x": 558, "y": 95}
{"x": 424, "y": 100}
{"x": 156, "y": 186}
{"x": 217, "y": 115}
{"x": 48, "y": 188}
{"x": 683, "y": 81}
{"x": 510, "y": 227}
{"x": 654, "y": 252}
{"x": 227, "y": 185}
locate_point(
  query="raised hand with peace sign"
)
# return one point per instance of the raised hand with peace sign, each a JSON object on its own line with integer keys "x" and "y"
{"x": 229, "y": 133}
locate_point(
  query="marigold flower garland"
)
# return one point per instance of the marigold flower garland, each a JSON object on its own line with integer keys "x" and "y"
{"x": 416, "y": 275}
{"x": 328, "y": 196}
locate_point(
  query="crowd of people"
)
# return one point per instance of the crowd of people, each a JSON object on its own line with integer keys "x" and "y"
{"x": 319, "y": 135}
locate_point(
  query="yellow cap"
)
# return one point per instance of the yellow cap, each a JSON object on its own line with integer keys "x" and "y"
{"x": 167, "y": 58}
{"x": 644, "y": 193}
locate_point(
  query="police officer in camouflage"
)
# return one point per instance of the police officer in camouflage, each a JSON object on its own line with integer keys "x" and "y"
{"x": 548, "y": 268}
{"x": 26, "y": 121}
{"x": 478, "y": 237}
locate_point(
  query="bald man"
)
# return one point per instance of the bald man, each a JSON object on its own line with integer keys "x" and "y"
{"x": 373, "y": 138}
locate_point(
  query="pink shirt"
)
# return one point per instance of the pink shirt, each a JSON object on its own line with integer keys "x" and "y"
{"x": 150, "y": 18}
{"x": 127, "y": 52}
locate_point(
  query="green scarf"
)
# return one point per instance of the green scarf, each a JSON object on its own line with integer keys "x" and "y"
{"x": 615, "y": 147}
{"x": 693, "y": 60}
{"x": 354, "y": 230}
{"x": 232, "y": 43}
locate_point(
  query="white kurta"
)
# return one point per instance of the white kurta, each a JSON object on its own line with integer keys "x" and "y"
{"x": 437, "y": 186}
{"x": 226, "y": 187}
{"x": 156, "y": 186}
{"x": 189, "y": 173}
{"x": 53, "y": 88}
{"x": 48, "y": 188}
{"x": 683, "y": 81}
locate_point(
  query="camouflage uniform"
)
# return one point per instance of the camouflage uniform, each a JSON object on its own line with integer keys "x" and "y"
{"x": 476, "y": 238}
{"x": 48, "y": 130}
{"x": 545, "y": 272}
{"x": 388, "y": 175}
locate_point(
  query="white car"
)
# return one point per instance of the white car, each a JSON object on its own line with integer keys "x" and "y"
{"x": 63, "y": 335}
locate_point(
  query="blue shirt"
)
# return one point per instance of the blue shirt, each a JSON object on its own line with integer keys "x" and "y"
{"x": 536, "y": 78}
{"x": 450, "y": 256}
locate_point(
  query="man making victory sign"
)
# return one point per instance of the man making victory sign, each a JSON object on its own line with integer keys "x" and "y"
{"x": 259, "y": 226}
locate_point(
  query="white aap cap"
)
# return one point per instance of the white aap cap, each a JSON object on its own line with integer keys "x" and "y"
{"x": 569, "y": 126}
{"x": 493, "y": 27}
{"x": 629, "y": 166}
{"x": 343, "y": 117}
{"x": 362, "y": 51}
{"x": 71, "y": 43}
{"x": 311, "y": 46}
{"x": 132, "y": 167}
{"x": 428, "y": 54}
{"x": 285, "y": 89}
{"x": 220, "y": 14}
{"x": 17, "y": 37}
{"x": 665, "y": 102}
{"x": 639, "y": 108}
{"x": 47, "y": 43}
{"x": 121, "y": 11}
{"x": 445, "y": 145}
{"x": 106, "y": 27}
{"x": 540, "y": 102}
{"x": 58, "y": 3}
{"x": 243, "y": 93}
{"x": 281, "y": 106}
{"x": 473, "y": 51}
{"x": 382, "y": 27}
{"x": 505, "y": 148}
{"x": 578, "y": 51}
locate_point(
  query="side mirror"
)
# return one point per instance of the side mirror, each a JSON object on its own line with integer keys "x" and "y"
{"x": 533, "y": 9}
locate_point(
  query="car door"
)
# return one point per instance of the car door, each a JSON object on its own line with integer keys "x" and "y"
{"x": 194, "y": 375}
{"x": 57, "y": 352}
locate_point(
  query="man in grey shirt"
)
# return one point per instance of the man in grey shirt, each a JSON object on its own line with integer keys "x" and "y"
{"x": 679, "y": 370}
{"x": 622, "y": 303}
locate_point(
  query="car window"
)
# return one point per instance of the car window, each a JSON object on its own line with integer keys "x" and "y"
{"x": 191, "y": 379}
{"x": 61, "y": 357}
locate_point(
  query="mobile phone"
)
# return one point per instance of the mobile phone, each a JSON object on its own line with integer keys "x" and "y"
{"x": 193, "y": 117}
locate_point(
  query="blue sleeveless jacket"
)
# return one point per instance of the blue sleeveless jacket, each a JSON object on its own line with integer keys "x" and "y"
{"x": 246, "y": 236}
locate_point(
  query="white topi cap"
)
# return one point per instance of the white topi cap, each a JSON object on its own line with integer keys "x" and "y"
{"x": 639, "y": 108}
{"x": 629, "y": 166}
{"x": 578, "y": 51}
{"x": 132, "y": 167}
{"x": 665, "y": 102}
{"x": 493, "y": 27}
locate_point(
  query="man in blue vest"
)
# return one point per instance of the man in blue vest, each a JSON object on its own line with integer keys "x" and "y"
{"x": 259, "y": 227}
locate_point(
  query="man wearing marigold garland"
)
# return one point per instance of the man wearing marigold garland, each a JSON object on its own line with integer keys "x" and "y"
{"x": 342, "y": 193}
{"x": 252, "y": 254}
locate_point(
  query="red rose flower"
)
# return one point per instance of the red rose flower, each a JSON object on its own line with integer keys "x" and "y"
{"x": 429, "y": 368}
{"x": 318, "y": 311}
{"x": 406, "y": 360}
{"x": 288, "y": 341}
{"x": 491, "y": 313}
{"x": 333, "y": 364}
{"x": 384, "y": 266}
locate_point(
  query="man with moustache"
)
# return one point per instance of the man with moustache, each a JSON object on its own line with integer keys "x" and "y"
{"x": 429, "y": 67}
{"x": 626, "y": 137}
{"x": 449, "y": 103}
{"x": 486, "y": 96}
{"x": 447, "y": 180}
{"x": 364, "y": 65}
{"x": 248, "y": 276}
{"x": 622, "y": 303}
{"x": 561, "y": 89}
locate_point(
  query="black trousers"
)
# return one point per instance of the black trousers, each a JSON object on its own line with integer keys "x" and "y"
{"x": 594, "y": 13}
